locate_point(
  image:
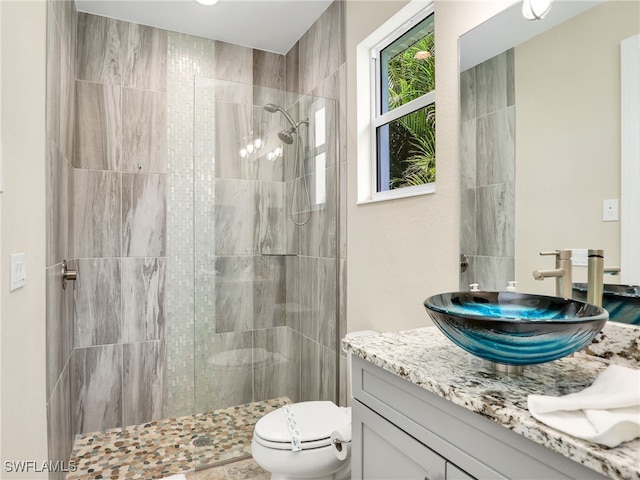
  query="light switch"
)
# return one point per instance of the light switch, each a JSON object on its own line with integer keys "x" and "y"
{"x": 610, "y": 210}
{"x": 18, "y": 276}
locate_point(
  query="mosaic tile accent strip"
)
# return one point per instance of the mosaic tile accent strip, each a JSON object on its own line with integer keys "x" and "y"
{"x": 187, "y": 57}
{"x": 167, "y": 447}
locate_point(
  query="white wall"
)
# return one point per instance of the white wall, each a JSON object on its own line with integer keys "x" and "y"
{"x": 22, "y": 226}
{"x": 402, "y": 251}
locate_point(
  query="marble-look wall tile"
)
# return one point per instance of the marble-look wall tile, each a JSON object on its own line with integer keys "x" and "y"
{"x": 97, "y": 302}
{"x": 98, "y": 126}
{"x": 143, "y": 379}
{"x": 344, "y": 385}
{"x": 293, "y": 282}
{"x": 511, "y": 77}
{"x": 235, "y": 216}
{"x": 491, "y": 88}
{"x": 468, "y": 158}
{"x": 342, "y": 291}
{"x": 276, "y": 363}
{"x": 495, "y": 148}
{"x": 99, "y": 55}
{"x": 310, "y": 370}
{"x": 321, "y": 48}
{"x": 308, "y": 302}
{"x": 327, "y": 301}
{"x": 234, "y": 294}
{"x": 54, "y": 66}
{"x": 96, "y": 388}
{"x": 327, "y": 212}
{"x": 342, "y": 211}
{"x": 231, "y": 370}
{"x": 67, "y": 111}
{"x": 495, "y": 220}
{"x": 268, "y": 70}
{"x": 292, "y": 65}
{"x": 270, "y": 216}
{"x": 468, "y": 242}
{"x": 143, "y": 287}
{"x": 66, "y": 17}
{"x": 59, "y": 318}
{"x": 97, "y": 213}
{"x": 60, "y": 432}
{"x": 144, "y": 131}
{"x": 468, "y": 95}
{"x": 233, "y": 63}
{"x": 145, "y": 58}
{"x": 494, "y": 273}
{"x": 233, "y": 132}
{"x": 143, "y": 215}
{"x": 327, "y": 374}
{"x": 58, "y": 206}
{"x": 269, "y": 291}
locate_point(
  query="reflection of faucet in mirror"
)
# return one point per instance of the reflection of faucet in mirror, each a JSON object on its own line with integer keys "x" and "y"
{"x": 562, "y": 272}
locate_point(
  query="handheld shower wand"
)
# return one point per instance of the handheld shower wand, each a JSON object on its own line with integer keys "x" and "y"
{"x": 286, "y": 136}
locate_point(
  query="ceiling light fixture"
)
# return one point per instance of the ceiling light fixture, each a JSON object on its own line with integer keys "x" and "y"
{"x": 208, "y": 3}
{"x": 535, "y": 9}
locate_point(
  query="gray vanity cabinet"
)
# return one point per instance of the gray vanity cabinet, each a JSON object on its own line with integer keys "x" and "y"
{"x": 401, "y": 431}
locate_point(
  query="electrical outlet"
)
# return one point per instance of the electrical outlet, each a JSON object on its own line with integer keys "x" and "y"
{"x": 610, "y": 210}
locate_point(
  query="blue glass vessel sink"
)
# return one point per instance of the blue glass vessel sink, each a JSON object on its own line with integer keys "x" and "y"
{"x": 515, "y": 328}
{"x": 621, "y": 301}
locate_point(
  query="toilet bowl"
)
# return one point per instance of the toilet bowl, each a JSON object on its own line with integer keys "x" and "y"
{"x": 294, "y": 442}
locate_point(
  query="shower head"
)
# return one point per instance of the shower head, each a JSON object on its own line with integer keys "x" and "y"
{"x": 273, "y": 108}
{"x": 286, "y": 137}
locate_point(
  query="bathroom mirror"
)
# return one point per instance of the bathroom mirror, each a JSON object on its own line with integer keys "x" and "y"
{"x": 563, "y": 141}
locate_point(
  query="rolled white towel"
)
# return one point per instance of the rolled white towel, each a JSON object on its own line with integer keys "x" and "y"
{"x": 607, "y": 412}
{"x": 178, "y": 476}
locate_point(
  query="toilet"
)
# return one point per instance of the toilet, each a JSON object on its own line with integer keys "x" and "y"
{"x": 296, "y": 442}
{"x": 311, "y": 454}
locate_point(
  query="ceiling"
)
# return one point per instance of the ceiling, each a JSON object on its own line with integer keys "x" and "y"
{"x": 271, "y": 25}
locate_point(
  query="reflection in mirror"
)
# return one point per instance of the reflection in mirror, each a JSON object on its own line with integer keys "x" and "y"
{"x": 540, "y": 144}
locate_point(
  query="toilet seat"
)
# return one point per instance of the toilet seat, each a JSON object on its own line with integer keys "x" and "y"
{"x": 315, "y": 422}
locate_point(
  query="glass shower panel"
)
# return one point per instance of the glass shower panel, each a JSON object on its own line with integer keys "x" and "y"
{"x": 265, "y": 288}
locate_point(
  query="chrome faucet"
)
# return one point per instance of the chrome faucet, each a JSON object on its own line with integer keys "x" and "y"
{"x": 595, "y": 272}
{"x": 562, "y": 272}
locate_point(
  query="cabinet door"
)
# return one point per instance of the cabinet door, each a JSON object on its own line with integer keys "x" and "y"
{"x": 454, "y": 473}
{"x": 389, "y": 453}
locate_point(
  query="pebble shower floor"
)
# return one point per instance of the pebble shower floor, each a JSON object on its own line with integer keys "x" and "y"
{"x": 183, "y": 445}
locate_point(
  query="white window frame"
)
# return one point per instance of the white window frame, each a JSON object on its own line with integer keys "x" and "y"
{"x": 368, "y": 101}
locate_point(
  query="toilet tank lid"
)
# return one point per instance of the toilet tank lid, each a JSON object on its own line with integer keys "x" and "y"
{"x": 315, "y": 421}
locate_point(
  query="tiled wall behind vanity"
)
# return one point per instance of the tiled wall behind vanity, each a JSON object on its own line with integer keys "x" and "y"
{"x": 487, "y": 153}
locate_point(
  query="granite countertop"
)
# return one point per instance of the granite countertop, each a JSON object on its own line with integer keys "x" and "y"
{"x": 428, "y": 359}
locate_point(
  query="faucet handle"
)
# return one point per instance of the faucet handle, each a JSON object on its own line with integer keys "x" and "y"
{"x": 564, "y": 254}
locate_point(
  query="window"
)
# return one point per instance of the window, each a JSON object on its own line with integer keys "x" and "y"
{"x": 403, "y": 110}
